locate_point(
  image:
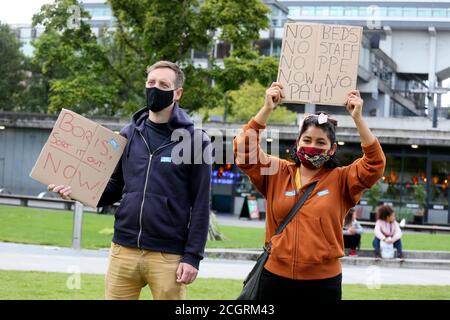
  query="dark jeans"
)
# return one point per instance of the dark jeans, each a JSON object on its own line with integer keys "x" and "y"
{"x": 352, "y": 241}
{"x": 397, "y": 245}
{"x": 274, "y": 287}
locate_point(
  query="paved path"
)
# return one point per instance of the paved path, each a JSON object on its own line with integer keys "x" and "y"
{"x": 54, "y": 259}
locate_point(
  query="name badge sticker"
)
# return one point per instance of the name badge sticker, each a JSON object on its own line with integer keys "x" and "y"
{"x": 114, "y": 144}
{"x": 323, "y": 193}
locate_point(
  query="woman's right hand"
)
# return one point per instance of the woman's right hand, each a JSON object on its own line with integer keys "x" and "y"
{"x": 63, "y": 191}
{"x": 273, "y": 95}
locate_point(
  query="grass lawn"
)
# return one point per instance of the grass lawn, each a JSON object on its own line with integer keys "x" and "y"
{"x": 53, "y": 286}
{"x": 54, "y": 227}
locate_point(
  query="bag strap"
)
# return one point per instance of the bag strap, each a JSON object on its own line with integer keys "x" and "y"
{"x": 292, "y": 213}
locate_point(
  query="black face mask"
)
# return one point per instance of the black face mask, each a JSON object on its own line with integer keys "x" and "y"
{"x": 158, "y": 99}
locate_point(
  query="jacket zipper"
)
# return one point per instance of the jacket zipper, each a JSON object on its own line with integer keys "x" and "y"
{"x": 146, "y": 181}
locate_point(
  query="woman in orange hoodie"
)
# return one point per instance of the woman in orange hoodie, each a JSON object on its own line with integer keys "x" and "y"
{"x": 304, "y": 260}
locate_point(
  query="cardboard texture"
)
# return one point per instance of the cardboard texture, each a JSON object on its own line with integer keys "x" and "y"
{"x": 79, "y": 153}
{"x": 319, "y": 62}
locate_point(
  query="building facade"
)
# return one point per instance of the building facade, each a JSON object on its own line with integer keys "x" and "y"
{"x": 403, "y": 75}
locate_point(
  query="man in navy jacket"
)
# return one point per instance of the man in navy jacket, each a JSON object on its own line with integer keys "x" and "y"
{"x": 161, "y": 225}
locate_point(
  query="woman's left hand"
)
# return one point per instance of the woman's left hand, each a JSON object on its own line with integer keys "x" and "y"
{"x": 354, "y": 104}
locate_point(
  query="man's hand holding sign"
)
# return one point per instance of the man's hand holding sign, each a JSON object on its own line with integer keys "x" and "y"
{"x": 78, "y": 158}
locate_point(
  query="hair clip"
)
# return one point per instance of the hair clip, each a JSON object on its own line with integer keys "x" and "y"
{"x": 323, "y": 118}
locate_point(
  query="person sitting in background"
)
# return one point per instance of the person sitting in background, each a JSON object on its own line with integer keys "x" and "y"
{"x": 352, "y": 232}
{"x": 387, "y": 229}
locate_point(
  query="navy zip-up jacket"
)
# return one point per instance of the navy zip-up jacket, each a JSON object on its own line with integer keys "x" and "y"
{"x": 163, "y": 206}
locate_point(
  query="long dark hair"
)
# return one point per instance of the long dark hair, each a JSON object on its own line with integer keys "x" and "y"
{"x": 349, "y": 217}
{"x": 328, "y": 127}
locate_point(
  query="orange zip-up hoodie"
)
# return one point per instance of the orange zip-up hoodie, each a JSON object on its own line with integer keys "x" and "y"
{"x": 312, "y": 243}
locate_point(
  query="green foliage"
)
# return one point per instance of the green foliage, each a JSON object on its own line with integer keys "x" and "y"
{"x": 245, "y": 102}
{"x": 73, "y": 68}
{"x": 35, "y": 94}
{"x": 239, "y": 21}
{"x": 374, "y": 195}
{"x": 74, "y": 63}
{"x": 23, "y": 285}
{"x": 420, "y": 195}
{"x": 54, "y": 227}
{"x": 105, "y": 75}
{"x": 12, "y": 71}
{"x": 147, "y": 32}
{"x": 404, "y": 213}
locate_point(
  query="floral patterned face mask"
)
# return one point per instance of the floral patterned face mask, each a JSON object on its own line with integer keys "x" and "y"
{"x": 313, "y": 158}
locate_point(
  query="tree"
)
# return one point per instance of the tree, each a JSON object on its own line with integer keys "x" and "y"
{"x": 420, "y": 195}
{"x": 147, "y": 31}
{"x": 245, "y": 102}
{"x": 374, "y": 195}
{"x": 12, "y": 72}
{"x": 106, "y": 75}
{"x": 35, "y": 94}
{"x": 73, "y": 62}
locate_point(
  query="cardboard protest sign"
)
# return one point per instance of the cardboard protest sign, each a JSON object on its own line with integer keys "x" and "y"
{"x": 81, "y": 154}
{"x": 319, "y": 62}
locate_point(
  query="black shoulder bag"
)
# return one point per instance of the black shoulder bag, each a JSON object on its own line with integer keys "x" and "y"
{"x": 251, "y": 283}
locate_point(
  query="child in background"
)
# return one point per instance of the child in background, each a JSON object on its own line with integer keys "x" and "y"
{"x": 352, "y": 232}
{"x": 387, "y": 229}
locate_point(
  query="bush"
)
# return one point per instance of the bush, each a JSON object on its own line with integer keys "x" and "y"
{"x": 373, "y": 195}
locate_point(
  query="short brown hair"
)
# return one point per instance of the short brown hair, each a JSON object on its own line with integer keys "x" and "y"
{"x": 179, "y": 74}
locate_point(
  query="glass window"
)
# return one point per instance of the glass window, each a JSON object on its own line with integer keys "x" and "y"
{"x": 395, "y": 12}
{"x": 440, "y": 175}
{"x": 363, "y": 11}
{"x": 99, "y": 11}
{"x": 390, "y": 182}
{"x": 414, "y": 181}
{"x": 439, "y": 12}
{"x": 424, "y": 12}
{"x": 410, "y": 12}
{"x": 223, "y": 50}
{"x": 351, "y": 11}
{"x": 276, "y": 48}
{"x": 200, "y": 54}
{"x": 322, "y": 11}
{"x": 375, "y": 11}
{"x": 275, "y": 23}
{"x": 308, "y": 11}
{"x": 263, "y": 47}
{"x": 382, "y": 12}
{"x": 275, "y": 11}
{"x": 345, "y": 156}
{"x": 336, "y": 11}
{"x": 294, "y": 11}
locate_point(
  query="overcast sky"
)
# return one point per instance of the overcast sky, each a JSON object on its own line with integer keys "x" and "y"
{"x": 19, "y": 11}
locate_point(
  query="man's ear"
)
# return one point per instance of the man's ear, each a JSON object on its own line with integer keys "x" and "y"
{"x": 178, "y": 94}
{"x": 333, "y": 149}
